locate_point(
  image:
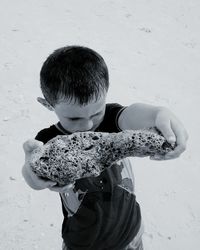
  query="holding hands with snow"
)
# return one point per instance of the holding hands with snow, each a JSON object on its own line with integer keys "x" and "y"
{"x": 66, "y": 158}
{"x": 89, "y": 138}
{"x": 172, "y": 132}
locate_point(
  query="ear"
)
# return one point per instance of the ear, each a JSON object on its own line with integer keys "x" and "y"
{"x": 45, "y": 103}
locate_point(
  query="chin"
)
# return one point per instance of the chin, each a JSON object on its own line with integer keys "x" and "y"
{"x": 92, "y": 129}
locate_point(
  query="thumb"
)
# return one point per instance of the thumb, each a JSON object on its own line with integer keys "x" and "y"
{"x": 50, "y": 183}
{"x": 167, "y": 132}
{"x": 30, "y": 145}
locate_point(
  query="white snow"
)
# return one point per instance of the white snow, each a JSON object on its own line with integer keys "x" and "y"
{"x": 152, "y": 49}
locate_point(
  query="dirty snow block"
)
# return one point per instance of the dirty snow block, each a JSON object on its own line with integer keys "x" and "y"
{"x": 66, "y": 158}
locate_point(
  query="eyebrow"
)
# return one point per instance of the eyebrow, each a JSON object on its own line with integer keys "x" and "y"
{"x": 83, "y": 117}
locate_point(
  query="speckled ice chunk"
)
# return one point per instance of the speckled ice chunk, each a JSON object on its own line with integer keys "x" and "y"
{"x": 66, "y": 158}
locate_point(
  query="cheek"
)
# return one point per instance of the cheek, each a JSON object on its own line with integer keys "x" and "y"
{"x": 97, "y": 119}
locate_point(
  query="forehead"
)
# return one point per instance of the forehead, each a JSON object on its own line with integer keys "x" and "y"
{"x": 72, "y": 109}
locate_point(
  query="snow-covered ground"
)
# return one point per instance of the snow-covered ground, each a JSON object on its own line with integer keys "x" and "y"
{"x": 152, "y": 49}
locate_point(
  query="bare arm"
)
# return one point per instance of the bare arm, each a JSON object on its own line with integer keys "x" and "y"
{"x": 139, "y": 116}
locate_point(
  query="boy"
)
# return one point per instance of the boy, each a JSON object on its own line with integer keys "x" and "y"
{"x": 99, "y": 213}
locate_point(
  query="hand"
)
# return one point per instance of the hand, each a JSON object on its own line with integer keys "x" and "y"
{"x": 30, "y": 177}
{"x": 174, "y": 132}
{"x": 63, "y": 189}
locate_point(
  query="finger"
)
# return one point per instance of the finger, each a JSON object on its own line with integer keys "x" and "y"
{"x": 47, "y": 182}
{"x": 172, "y": 154}
{"x": 51, "y": 183}
{"x": 63, "y": 189}
{"x": 156, "y": 158}
{"x": 181, "y": 136}
{"x": 181, "y": 140}
{"x": 55, "y": 189}
{"x": 67, "y": 188}
{"x": 175, "y": 153}
{"x": 166, "y": 130}
{"x": 29, "y": 146}
{"x": 162, "y": 158}
{"x": 44, "y": 182}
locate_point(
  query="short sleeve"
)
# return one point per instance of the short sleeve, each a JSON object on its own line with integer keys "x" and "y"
{"x": 47, "y": 134}
{"x": 110, "y": 121}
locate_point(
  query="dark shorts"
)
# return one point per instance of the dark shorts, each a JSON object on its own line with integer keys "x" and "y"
{"x": 136, "y": 244}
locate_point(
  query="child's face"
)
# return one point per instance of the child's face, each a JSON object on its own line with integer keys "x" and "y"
{"x": 75, "y": 118}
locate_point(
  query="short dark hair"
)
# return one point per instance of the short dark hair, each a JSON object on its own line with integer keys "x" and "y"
{"x": 74, "y": 72}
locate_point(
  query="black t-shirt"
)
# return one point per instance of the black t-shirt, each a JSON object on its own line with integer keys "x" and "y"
{"x": 107, "y": 216}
